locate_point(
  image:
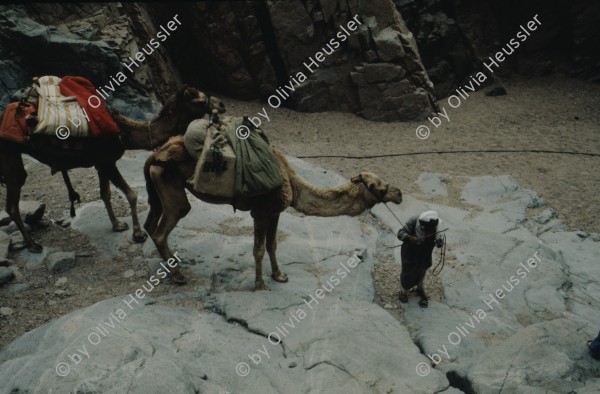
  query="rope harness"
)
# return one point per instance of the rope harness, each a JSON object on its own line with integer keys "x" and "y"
{"x": 442, "y": 258}
{"x": 150, "y": 134}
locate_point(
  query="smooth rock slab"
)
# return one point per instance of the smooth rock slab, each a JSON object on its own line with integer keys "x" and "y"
{"x": 344, "y": 342}
{"x": 563, "y": 364}
{"x": 505, "y": 326}
{"x": 433, "y": 184}
{"x": 158, "y": 348}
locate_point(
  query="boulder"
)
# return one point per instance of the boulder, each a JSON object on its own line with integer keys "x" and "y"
{"x": 382, "y": 72}
{"x": 17, "y": 242}
{"x": 31, "y": 213}
{"x": 17, "y": 287}
{"x": 6, "y": 275}
{"x": 4, "y": 245}
{"x": 388, "y": 45}
{"x": 6, "y": 311}
{"x": 4, "y": 218}
{"x": 58, "y": 262}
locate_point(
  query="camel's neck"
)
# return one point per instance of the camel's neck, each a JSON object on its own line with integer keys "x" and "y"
{"x": 341, "y": 200}
{"x": 137, "y": 134}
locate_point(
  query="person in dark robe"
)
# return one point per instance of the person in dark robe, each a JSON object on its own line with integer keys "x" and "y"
{"x": 419, "y": 237}
{"x": 594, "y": 347}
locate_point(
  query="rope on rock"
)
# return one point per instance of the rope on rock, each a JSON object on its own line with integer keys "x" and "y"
{"x": 451, "y": 152}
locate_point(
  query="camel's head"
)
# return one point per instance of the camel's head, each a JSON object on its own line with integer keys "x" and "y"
{"x": 198, "y": 103}
{"x": 380, "y": 190}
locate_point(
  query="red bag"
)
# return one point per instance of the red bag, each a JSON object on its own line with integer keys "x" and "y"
{"x": 100, "y": 121}
{"x": 14, "y": 122}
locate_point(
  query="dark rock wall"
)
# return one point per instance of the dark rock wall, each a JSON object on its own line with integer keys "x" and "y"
{"x": 454, "y": 36}
{"x": 567, "y": 42}
{"x": 250, "y": 49}
{"x": 404, "y": 55}
{"x": 86, "y": 39}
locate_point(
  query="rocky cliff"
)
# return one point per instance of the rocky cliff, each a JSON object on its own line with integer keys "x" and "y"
{"x": 397, "y": 59}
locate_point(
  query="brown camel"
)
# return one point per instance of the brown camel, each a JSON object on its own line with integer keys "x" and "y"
{"x": 102, "y": 153}
{"x": 167, "y": 170}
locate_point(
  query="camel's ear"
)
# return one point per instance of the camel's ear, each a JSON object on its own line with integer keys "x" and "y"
{"x": 357, "y": 179}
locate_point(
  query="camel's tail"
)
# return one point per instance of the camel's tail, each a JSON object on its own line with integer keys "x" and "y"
{"x": 153, "y": 199}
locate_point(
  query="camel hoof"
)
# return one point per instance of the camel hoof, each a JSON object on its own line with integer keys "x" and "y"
{"x": 34, "y": 247}
{"x": 280, "y": 277}
{"x": 139, "y": 237}
{"x": 403, "y": 298}
{"x": 178, "y": 278}
{"x": 261, "y": 286}
{"x": 120, "y": 226}
{"x": 423, "y": 303}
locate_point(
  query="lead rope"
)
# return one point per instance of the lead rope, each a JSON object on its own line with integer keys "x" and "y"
{"x": 150, "y": 135}
{"x": 442, "y": 258}
{"x": 394, "y": 215}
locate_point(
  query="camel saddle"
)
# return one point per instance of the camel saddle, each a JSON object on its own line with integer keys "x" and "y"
{"x": 56, "y": 111}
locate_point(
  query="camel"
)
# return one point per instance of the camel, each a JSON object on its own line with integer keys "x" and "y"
{"x": 167, "y": 170}
{"x": 102, "y": 153}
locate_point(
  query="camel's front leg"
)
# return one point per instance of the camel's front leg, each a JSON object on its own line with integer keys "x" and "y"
{"x": 13, "y": 195}
{"x": 117, "y": 179}
{"x": 272, "y": 249}
{"x": 15, "y": 175}
{"x": 260, "y": 232}
{"x": 103, "y": 176}
{"x": 176, "y": 206}
{"x": 73, "y": 195}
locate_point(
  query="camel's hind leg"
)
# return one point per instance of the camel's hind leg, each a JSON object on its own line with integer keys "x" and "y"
{"x": 175, "y": 206}
{"x": 104, "y": 177}
{"x": 117, "y": 179}
{"x": 73, "y": 195}
{"x": 153, "y": 217}
{"x": 272, "y": 249}
{"x": 11, "y": 166}
{"x": 156, "y": 210}
{"x": 260, "y": 235}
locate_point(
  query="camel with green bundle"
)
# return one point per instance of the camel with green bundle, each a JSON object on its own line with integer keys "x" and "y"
{"x": 102, "y": 153}
{"x": 167, "y": 170}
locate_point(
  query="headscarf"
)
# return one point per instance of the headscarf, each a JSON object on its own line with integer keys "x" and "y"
{"x": 426, "y": 217}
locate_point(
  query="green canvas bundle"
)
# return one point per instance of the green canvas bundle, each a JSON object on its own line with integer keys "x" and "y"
{"x": 256, "y": 169}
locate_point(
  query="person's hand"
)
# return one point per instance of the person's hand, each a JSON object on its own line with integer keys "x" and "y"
{"x": 220, "y": 140}
{"x": 411, "y": 238}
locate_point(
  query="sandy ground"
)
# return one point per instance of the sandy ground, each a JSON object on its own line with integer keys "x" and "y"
{"x": 553, "y": 113}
